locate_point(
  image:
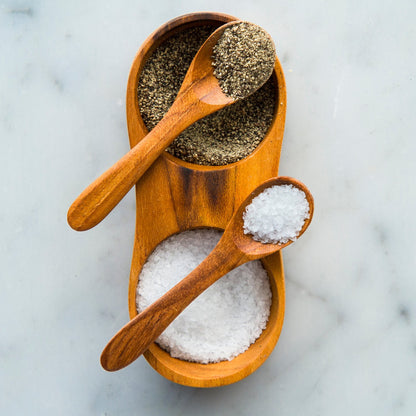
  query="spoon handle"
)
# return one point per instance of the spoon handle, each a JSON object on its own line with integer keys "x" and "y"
{"x": 135, "y": 337}
{"x": 99, "y": 198}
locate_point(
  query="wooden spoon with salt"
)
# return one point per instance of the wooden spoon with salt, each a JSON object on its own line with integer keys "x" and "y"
{"x": 234, "y": 249}
{"x": 199, "y": 96}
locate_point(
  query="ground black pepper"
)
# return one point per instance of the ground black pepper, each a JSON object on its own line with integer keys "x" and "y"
{"x": 224, "y": 137}
{"x": 243, "y": 59}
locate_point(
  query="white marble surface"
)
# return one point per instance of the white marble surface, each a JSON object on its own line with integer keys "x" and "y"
{"x": 348, "y": 345}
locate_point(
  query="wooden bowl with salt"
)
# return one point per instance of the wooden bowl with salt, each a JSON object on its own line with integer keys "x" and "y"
{"x": 175, "y": 196}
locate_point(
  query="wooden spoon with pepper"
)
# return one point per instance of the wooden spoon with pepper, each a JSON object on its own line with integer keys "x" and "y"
{"x": 199, "y": 96}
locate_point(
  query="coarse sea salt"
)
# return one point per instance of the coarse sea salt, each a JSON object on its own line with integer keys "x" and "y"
{"x": 276, "y": 215}
{"x": 224, "y": 320}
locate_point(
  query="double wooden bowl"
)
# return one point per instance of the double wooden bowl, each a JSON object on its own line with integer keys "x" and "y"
{"x": 174, "y": 196}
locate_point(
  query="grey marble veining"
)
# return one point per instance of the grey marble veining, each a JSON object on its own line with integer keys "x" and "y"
{"x": 348, "y": 344}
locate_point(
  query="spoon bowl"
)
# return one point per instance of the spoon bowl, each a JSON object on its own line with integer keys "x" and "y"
{"x": 244, "y": 242}
{"x": 234, "y": 249}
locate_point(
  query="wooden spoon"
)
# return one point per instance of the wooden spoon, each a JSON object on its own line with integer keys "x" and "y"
{"x": 199, "y": 96}
{"x": 234, "y": 249}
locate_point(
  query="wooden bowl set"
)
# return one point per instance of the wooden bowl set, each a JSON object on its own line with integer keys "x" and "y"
{"x": 174, "y": 196}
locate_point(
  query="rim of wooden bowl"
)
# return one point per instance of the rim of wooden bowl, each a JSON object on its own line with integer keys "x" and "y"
{"x": 225, "y": 372}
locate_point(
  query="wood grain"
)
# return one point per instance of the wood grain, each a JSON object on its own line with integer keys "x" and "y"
{"x": 173, "y": 196}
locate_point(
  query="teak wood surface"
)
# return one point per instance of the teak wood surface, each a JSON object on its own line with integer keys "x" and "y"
{"x": 174, "y": 196}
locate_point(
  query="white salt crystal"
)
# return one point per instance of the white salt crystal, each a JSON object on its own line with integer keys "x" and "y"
{"x": 276, "y": 215}
{"x": 222, "y": 322}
